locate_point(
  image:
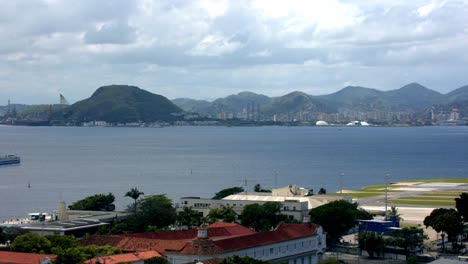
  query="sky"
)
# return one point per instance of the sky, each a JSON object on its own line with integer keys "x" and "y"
{"x": 205, "y": 49}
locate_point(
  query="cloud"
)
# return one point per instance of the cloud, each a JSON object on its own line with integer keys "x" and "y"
{"x": 211, "y": 48}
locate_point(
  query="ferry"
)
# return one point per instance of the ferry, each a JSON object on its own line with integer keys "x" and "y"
{"x": 9, "y": 159}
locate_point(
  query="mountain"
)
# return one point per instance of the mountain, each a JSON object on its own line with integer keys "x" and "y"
{"x": 239, "y": 102}
{"x": 412, "y": 97}
{"x": 191, "y": 105}
{"x": 122, "y": 104}
{"x": 460, "y": 94}
{"x": 297, "y": 102}
{"x": 409, "y": 98}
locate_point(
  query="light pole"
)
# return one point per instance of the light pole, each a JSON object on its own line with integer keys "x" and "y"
{"x": 386, "y": 194}
{"x": 341, "y": 182}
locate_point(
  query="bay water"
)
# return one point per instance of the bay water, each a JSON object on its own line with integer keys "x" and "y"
{"x": 70, "y": 163}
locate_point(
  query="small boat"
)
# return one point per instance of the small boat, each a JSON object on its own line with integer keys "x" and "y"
{"x": 9, "y": 159}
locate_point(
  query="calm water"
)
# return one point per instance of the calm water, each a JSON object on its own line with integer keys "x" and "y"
{"x": 70, "y": 163}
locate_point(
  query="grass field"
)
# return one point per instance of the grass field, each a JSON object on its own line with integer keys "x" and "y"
{"x": 448, "y": 180}
{"x": 423, "y": 202}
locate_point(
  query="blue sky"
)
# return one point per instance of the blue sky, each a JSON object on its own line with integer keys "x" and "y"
{"x": 207, "y": 49}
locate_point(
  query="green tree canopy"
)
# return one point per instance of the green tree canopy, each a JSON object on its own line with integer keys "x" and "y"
{"x": 59, "y": 242}
{"x": 446, "y": 220}
{"x": 371, "y": 242}
{"x": 31, "y": 243}
{"x": 225, "y": 214}
{"x": 226, "y": 192}
{"x": 154, "y": 210}
{"x": 337, "y": 217}
{"x": 408, "y": 238}
{"x": 134, "y": 193}
{"x": 189, "y": 217}
{"x": 97, "y": 202}
{"x": 322, "y": 191}
{"x": 461, "y": 203}
{"x": 262, "y": 217}
{"x": 156, "y": 260}
{"x": 8, "y": 234}
{"x": 258, "y": 188}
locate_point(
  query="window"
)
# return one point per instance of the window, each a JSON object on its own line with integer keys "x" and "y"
{"x": 271, "y": 250}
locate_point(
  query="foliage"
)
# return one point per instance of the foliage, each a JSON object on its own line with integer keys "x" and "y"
{"x": 31, "y": 243}
{"x": 226, "y": 214}
{"x": 445, "y": 220}
{"x": 156, "y": 260}
{"x": 134, "y": 193}
{"x": 122, "y": 104}
{"x": 337, "y": 217}
{"x": 8, "y": 234}
{"x": 76, "y": 255}
{"x": 408, "y": 238}
{"x": 258, "y": 188}
{"x": 226, "y": 192}
{"x": 242, "y": 260}
{"x": 371, "y": 242}
{"x": 461, "y": 203}
{"x": 262, "y": 217}
{"x": 155, "y": 210}
{"x": 322, "y": 191}
{"x": 59, "y": 242}
{"x": 189, "y": 217}
{"x": 97, "y": 202}
{"x": 394, "y": 212}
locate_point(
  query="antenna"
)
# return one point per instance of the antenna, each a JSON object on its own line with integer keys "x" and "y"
{"x": 63, "y": 100}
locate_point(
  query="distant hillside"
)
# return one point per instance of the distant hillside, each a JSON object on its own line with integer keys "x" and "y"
{"x": 239, "y": 102}
{"x": 460, "y": 94}
{"x": 122, "y": 104}
{"x": 191, "y": 105}
{"x": 297, "y": 102}
{"x": 409, "y": 98}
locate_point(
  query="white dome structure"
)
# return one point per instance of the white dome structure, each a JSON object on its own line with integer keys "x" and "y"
{"x": 321, "y": 123}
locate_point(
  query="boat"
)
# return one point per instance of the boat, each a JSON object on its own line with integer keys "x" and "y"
{"x": 9, "y": 159}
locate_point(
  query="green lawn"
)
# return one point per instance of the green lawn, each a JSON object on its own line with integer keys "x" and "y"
{"x": 427, "y": 198}
{"x": 428, "y": 203}
{"x": 449, "y": 180}
{"x": 442, "y": 194}
{"x": 365, "y": 194}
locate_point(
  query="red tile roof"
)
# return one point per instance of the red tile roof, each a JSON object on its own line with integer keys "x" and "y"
{"x": 284, "y": 232}
{"x": 214, "y": 230}
{"x": 126, "y": 258}
{"x": 226, "y": 238}
{"x": 7, "y": 257}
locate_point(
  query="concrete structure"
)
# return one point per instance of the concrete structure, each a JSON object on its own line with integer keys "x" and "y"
{"x": 290, "y": 243}
{"x": 296, "y": 202}
{"x": 78, "y": 228}
{"x": 133, "y": 258}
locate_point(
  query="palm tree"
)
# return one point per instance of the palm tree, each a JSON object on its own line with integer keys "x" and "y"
{"x": 134, "y": 193}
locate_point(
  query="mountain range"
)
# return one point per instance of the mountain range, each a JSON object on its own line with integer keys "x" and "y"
{"x": 409, "y": 98}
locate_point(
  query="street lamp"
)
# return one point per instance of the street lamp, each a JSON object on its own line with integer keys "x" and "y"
{"x": 341, "y": 182}
{"x": 386, "y": 194}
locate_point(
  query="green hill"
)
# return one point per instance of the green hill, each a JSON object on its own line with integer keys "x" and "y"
{"x": 296, "y": 102}
{"x": 122, "y": 104}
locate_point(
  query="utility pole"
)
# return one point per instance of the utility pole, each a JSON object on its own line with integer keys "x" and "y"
{"x": 341, "y": 182}
{"x": 386, "y": 194}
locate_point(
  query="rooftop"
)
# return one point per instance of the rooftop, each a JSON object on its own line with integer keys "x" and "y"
{"x": 7, "y": 257}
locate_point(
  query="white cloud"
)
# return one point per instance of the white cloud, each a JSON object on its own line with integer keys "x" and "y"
{"x": 215, "y": 45}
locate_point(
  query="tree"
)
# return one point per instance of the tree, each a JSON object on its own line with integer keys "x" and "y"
{"x": 337, "y": 217}
{"x": 226, "y": 192}
{"x": 155, "y": 210}
{"x": 134, "y": 193}
{"x": 371, "y": 242}
{"x": 8, "y": 234}
{"x": 394, "y": 212}
{"x": 225, "y": 214}
{"x": 189, "y": 217}
{"x": 445, "y": 220}
{"x": 258, "y": 188}
{"x": 59, "y": 242}
{"x": 262, "y": 217}
{"x": 31, "y": 243}
{"x": 461, "y": 203}
{"x": 322, "y": 191}
{"x": 408, "y": 238}
{"x": 97, "y": 202}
